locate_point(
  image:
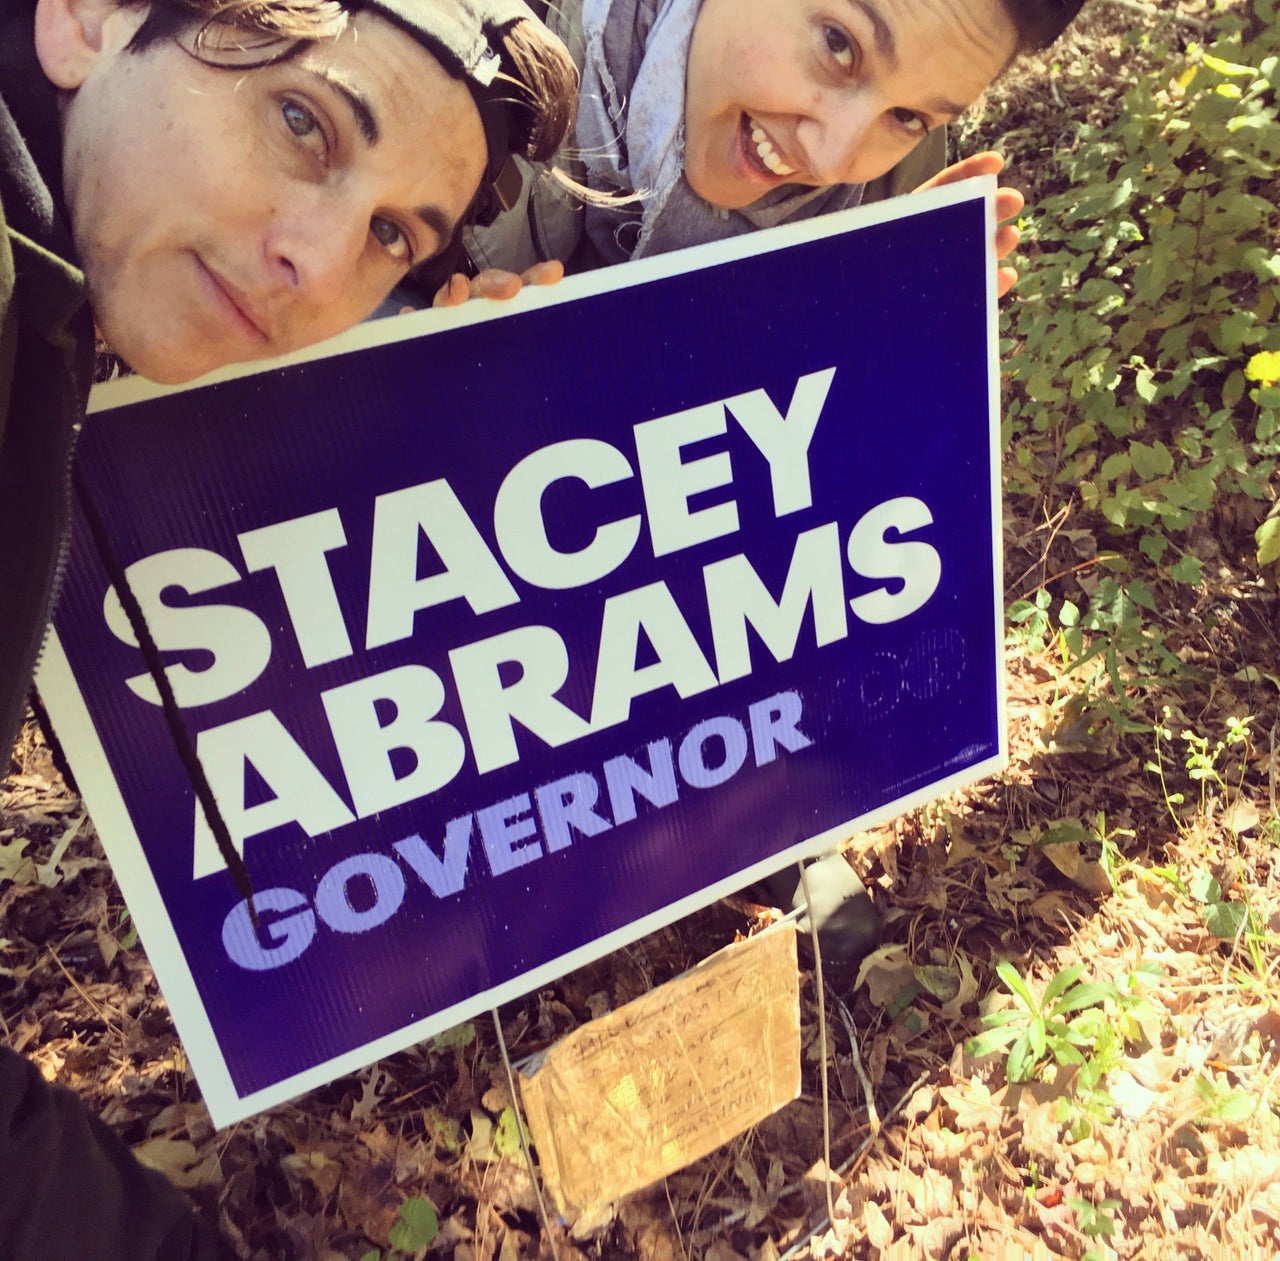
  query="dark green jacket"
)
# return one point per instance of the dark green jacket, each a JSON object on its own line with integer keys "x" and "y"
{"x": 68, "y": 1186}
{"x": 46, "y": 360}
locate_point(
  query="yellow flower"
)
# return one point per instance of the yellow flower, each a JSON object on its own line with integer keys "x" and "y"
{"x": 1264, "y": 367}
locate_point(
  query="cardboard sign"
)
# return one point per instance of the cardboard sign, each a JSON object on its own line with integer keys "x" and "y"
{"x": 508, "y": 634}
{"x": 645, "y": 1090}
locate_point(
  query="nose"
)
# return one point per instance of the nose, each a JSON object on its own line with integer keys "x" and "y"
{"x": 832, "y": 136}
{"x": 315, "y": 247}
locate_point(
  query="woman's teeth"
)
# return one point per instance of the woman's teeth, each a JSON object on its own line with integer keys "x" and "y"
{"x": 766, "y": 152}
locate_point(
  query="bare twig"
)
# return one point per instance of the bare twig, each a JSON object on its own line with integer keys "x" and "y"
{"x": 851, "y": 1164}
{"x": 851, "y": 1029}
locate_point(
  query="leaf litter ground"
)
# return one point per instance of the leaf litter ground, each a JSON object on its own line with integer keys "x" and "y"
{"x": 1164, "y": 1143}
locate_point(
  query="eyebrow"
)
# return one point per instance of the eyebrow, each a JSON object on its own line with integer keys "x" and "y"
{"x": 940, "y": 105}
{"x": 882, "y": 33}
{"x": 881, "y": 30}
{"x": 361, "y": 110}
{"x": 439, "y": 223}
{"x": 366, "y": 121}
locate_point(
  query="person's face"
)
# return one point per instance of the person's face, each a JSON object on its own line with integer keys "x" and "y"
{"x": 226, "y": 215}
{"x": 828, "y": 91}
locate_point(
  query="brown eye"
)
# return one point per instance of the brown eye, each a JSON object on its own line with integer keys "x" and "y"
{"x": 839, "y": 46}
{"x": 391, "y": 238}
{"x": 910, "y": 121}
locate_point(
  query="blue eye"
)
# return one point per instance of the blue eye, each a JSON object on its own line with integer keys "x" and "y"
{"x": 299, "y": 120}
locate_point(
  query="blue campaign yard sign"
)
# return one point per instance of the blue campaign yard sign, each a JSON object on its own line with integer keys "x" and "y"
{"x": 509, "y": 634}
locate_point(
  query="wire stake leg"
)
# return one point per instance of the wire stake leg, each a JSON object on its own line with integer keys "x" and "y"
{"x": 524, "y": 1138}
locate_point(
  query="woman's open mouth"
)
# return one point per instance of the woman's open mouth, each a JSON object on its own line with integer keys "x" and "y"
{"x": 761, "y": 151}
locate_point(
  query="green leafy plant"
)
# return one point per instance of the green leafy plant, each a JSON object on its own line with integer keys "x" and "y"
{"x": 1084, "y": 1024}
{"x": 127, "y": 931}
{"x": 1116, "y": 631}
{"x": 1073, "y": 831}
{"x": 1231, "y": 1107}
{"x": 1111, "y": 858}
{"x": 1218, "y": 772}
{"x": 1205, "y": 767}
{"x": 1094, "y": 1220}
{"x": 1142, "y": 354}
{"x": 417, "y": 1224}
{"x": 1222, "y": 917}
{"x": 1029, "y": 621}
{"x": 458, "y": 1038}
{"x": 1143, "y": 334}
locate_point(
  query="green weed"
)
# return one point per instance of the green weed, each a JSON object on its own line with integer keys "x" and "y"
{"x": 1095, "y": 1220}
{"x": 1085, "y": 1025}
{"x": 1218, "y": 774}
{"x": 417, "y": 1224}
{"x": 1207, "y": 768}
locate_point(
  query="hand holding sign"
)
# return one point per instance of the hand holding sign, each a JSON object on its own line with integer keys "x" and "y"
{"x": 494, "y": 283}
{"x": 1009, "y": 203}
{"x": 499, "y": 285}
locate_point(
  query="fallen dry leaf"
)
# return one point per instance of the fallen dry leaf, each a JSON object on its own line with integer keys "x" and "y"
{"x": 179, "y": 1161}
{"x": 1241, "y": 815}
{"x": 1082, "y": 871}
{"x": 1133, "y": 1099}
{"x": 15, "y": 866}
{"x": 878, "y": 1229}
{"x": 886, "y": 972}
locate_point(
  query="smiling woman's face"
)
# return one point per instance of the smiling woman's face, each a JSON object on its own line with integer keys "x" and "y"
{"x": 828, "y": 91}
{"x": 226, "y": 215}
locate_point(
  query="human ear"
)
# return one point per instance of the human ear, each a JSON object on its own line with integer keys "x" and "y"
{"x": 72, "y": 34}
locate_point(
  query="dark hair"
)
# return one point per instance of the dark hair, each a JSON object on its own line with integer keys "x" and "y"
{"x": 1040, "y": 22}
{"x": 245, "y": 34}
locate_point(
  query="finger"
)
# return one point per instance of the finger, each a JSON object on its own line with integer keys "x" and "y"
{"x": 1006, "y": 278}
{"x": 988, "y": 163}
{"x": 454, "y": 292}
{"x": 1007, "y": 238}
{"x": 1009, "y": 204}
{"x": 495, "y": 284}
{"x": 550, "y": 272}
